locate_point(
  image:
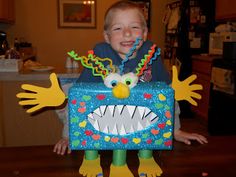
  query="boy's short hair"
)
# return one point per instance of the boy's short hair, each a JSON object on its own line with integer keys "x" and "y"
{"x": 122, "y": 5}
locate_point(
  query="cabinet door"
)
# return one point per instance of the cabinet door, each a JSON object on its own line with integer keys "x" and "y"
{"x": 7, "y": 11}
{"x": 1, "y": 117}
{"x": 202, "y": 68}
{"x": 19, "y": 128}
{"x": 225, "y": 9}
{"x": 203, "y": 104}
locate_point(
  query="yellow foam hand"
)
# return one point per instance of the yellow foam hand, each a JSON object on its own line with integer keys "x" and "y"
{"x": 42, "y": 97}
{"x": 183, "y": 89}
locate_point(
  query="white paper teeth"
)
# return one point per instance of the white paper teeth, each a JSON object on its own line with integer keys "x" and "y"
{"x": 152, "y": 116}
{"x": 105, "y": 130}
{"x": 147, "y": 123}
{"x": 121, "y": 119}
{"x": 90, "y": 116}
{"x": 111, "y": 108}
{"x": 114, "y": 131}
{"x": 140, "y": 127}
{"x": 96, "y": 126}
{"x": 141, "y": 111}
{"x": 119, "y": 108}
{"x": 147, "y": 111}
{"x": 131, "y": 110}
{"x": 102, "y": 109}
{"x": 122, "y": 130}
{"x": 131, "y": 129}
{"x": 98, "y": 112}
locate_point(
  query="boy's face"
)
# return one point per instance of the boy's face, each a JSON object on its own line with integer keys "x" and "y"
{"x": 125, "y": 27}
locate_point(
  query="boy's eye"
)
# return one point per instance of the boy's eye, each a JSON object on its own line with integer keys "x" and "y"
{"x": 136, "y": 27}
{"x": 129, "y": 79}
{"x": 112, "y": 80}
{"x": 116, "y": 29}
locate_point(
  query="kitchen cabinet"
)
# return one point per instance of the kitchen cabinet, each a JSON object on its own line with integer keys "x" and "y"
{"x": 201, "y": 66}
{"x": 7, "y": 11}
{"x": 225, "y": 10}
{"x": 18, "y": 128}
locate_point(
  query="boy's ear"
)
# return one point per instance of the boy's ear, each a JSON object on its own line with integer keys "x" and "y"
{"x": 145, "y": 34}
{"x": 106, "y": 37}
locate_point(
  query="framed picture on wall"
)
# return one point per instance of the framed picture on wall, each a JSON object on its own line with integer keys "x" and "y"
{"x": 146, "y": 6}
{"x": 76, "y": 14}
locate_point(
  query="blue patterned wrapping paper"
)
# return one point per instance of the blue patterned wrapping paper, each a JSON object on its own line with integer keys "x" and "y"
{"x": 84, "y": 98}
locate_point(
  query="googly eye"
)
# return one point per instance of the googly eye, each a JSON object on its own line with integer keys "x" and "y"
{"x": 129, "y": 79}
{"x": 113, "y": 83}
{"x": 112, "y": 80}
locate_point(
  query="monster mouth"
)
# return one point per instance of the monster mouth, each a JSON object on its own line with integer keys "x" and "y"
{"x": 121, "y": 119}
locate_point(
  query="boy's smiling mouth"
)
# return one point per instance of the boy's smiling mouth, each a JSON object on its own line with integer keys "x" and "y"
{"x": 121, "y": 119}
{"x": 127, "y": 43}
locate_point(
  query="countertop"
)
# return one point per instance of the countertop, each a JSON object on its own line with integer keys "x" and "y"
{"x": 27, "y": 74}
{"x": 206, "y": 57}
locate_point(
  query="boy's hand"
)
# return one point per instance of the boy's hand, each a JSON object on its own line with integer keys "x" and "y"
{"x": 62, "y": 147}
{"x": 183, "y": 89}
{"x": 186, "y": 137}
{"x": 42, "y": 97}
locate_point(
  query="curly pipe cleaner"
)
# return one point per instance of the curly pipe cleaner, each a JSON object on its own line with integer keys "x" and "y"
{"x": 121, "y": 67}
{"x": 157, "y": 53}
{"x": 86, "y": 62}
{"x": 148, "y": 58}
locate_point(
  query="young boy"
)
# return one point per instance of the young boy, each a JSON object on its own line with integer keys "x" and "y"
{"x": 124, "y": 23}
{"x": 120, "y": 34}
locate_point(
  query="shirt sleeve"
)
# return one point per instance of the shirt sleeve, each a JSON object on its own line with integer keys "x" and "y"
{"x": 159, "y": 72}
{"x": 87, "y": 76}
{"x": 177, "y": 124}
{"x": 63, "y": 113}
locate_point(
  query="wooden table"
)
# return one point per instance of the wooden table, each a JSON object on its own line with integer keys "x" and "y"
{"x": 217, "y": 159}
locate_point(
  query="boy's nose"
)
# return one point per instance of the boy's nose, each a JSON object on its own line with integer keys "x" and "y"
{"x": 127, "y": 32}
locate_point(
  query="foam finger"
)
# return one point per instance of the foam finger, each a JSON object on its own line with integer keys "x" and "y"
{"x": 191, "y": 78}
{"x": 191, "y": 101}
{"x": 26, "y": 95}
{"x": 196, "y": 95}
{"x": 196, "y": 87}
{"x": 54, "y": 80}
{"x": 174, "y": 73}
{"x": 28, "y": 102}
{"x": 32, "y": 88}
{"x": 35, "y": 108}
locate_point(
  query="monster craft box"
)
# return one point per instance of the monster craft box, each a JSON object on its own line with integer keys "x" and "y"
{"x": 99, "y": 121}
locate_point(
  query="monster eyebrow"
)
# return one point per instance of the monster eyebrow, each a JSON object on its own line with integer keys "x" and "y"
{"x": 94, "y": 63}
{"x": 152, "y": 55}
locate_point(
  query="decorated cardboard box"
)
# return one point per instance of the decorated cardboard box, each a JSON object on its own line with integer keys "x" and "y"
{"x": 98, "y": 120}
